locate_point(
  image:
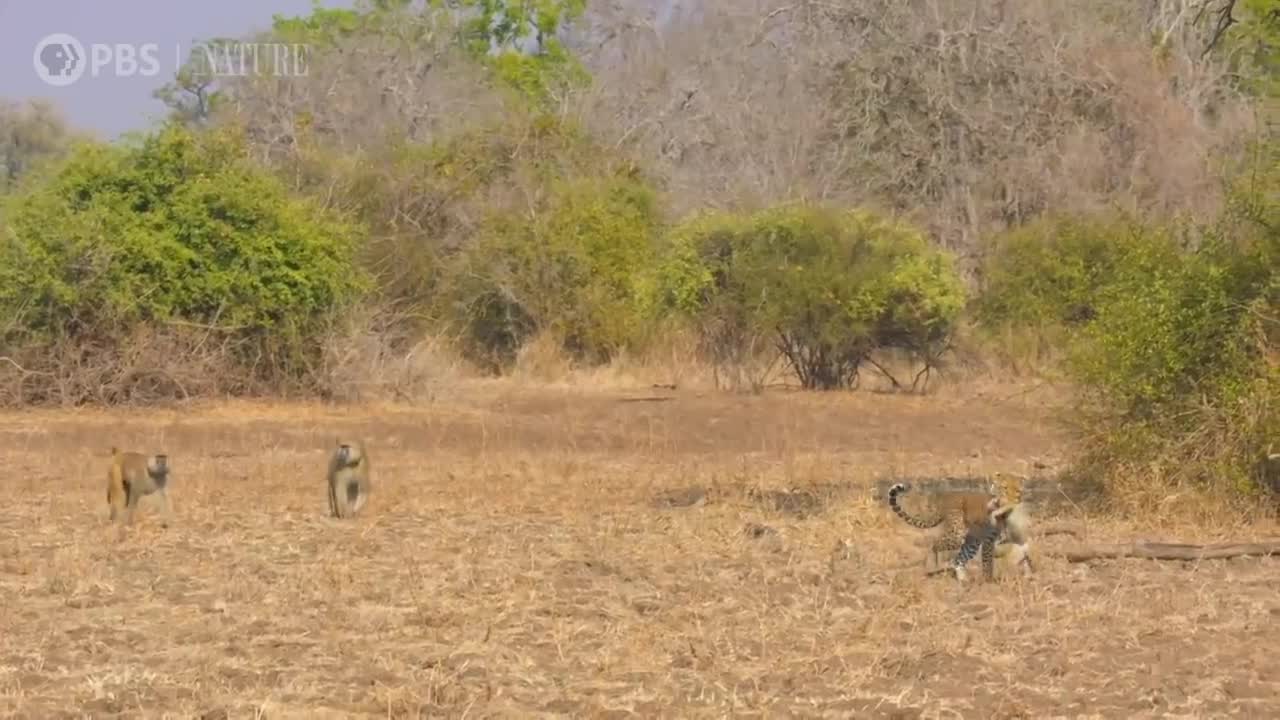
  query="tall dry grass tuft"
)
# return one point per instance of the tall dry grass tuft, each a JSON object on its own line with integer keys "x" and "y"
{"x": 1221, "y": 471}
{"x": 543, "y": 359}
{"x": 373, "y": 354}
{"x": 669, "y": 359}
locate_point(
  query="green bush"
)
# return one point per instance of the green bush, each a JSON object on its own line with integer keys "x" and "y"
{"x": 829, "y": 286}
{"x": 1167, "y": 333}
{"x": 183, "y": 227}
{"x": 1050, "y": 271}
{"x": 1175, "y": 376}
{"x": 423, "y": 203}
{"x": 1178, "y": 364}
{"x": 573, "y": 269}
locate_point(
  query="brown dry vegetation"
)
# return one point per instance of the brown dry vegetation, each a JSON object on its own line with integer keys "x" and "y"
{"x": 968, "y": 116}
{"x": 518, "y": 560}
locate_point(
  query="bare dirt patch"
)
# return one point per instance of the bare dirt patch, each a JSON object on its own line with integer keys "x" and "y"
{"x": 560, "y": 553}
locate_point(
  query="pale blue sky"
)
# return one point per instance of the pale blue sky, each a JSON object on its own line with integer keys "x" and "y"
{"x": 106, "y": 104}
{"x": 110, "y": 104}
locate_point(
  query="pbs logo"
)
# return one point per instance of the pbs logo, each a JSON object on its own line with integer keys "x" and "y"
{"x": 60, "y": 59}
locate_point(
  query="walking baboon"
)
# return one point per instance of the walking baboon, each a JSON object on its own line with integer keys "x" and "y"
{"x": 133, "y": 475}
{"x": 348, "y": 479}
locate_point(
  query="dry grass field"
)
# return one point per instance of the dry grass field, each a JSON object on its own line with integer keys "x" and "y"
{"x": 530, "y": 553}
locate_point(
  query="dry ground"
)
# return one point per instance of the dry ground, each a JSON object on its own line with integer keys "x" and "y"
{"x": 514, "y": 563}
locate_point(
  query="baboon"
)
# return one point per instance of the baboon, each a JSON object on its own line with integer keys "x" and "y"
{"x": 133, "y": 475}
{"x": 1014, "y": 521}
{"x": 348, "y": 479}
{"x": 970, "y": 526}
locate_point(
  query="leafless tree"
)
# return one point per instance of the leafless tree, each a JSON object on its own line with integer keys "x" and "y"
{"x": 30, "y": 133}
{"x": 967, "y": 115}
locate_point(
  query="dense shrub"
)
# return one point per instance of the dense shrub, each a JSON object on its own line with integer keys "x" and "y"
{"x": 1041, "y": 282}
{"x": 1175, "y": 375}
{"x": 182, "y": 228}
{"x": 1176, "y": 357}
{"x": 424, "y": 204}
{"x": 572, "y": 267}
{"x": 830, "y": 287}
{"x": 1165, "y": 333}
{"x": 1050, "y": 271}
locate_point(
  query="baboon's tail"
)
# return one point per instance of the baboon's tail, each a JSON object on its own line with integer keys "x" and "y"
{"x": 357, "y": 496}
{"x": 899, "y": 488}
{"x": 115, "y": 479}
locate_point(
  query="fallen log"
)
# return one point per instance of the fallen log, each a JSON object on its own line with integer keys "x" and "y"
{"x": 1167, "y": 551}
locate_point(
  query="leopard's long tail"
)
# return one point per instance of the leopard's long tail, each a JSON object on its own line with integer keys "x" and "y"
{"x": 899, "y": 488}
